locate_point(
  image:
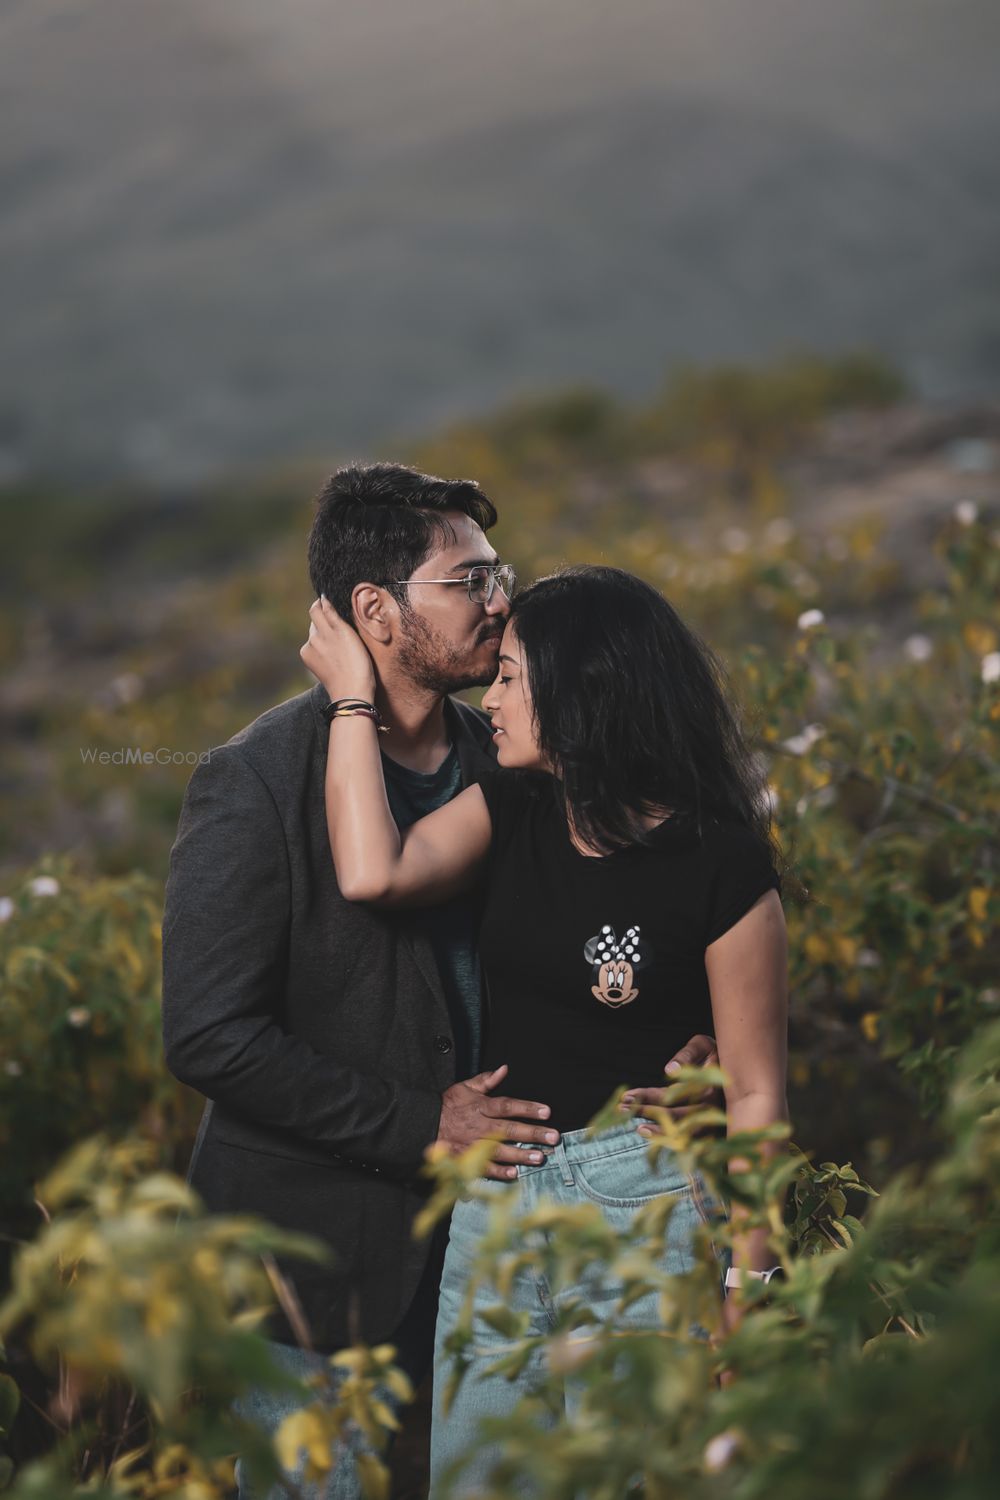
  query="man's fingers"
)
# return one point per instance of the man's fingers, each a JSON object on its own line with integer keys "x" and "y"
{"x": 536, "y": 1134}
{"x": 502, "y": 1108}
{"x": 516, "y": 1155}
{"x": 507, "y": 1159}
{"x": 500, "y": 1173}
{"x": 482, "y": 1082}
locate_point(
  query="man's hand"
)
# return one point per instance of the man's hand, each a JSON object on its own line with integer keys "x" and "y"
{"x": 468, "y": 1113}
{"x": 700, "y": 1051}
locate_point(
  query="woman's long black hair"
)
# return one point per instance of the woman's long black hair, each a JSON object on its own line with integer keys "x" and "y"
{"x": 632, "y": 709}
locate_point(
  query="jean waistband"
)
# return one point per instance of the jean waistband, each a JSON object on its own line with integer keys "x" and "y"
{"x": 579, "y": 1145}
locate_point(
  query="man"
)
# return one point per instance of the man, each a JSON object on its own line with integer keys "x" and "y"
{"x": 328, "y": 1036}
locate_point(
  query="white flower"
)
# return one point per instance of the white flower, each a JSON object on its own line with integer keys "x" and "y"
{"x": 6, "y": 908}
{"x": 779, "y": 531}
{"x": 966, "y": 512}
{"x": 918, "y": 647}
{"x": 44, "y": 885}
{"x": 127, "y": 687}
{"x": 13, "y": 1068}
{"x": 802, "y": 743}
{"x": 810, "y": 617}
{"x": 735, "y": 539}
{"x": 867, "y": 958}
{"x": 991, "y": 667}
{"x": 78, "y": 1015}
{"x": 721, "y": 1450}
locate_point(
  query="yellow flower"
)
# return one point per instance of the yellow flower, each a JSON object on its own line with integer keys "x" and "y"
{"x": 978, "y": 900}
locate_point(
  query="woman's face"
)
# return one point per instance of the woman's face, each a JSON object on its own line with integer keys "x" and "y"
{"x": 508, "y": 703}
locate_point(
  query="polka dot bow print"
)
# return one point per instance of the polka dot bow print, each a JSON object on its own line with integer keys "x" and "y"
{"x": 615, "y": 962}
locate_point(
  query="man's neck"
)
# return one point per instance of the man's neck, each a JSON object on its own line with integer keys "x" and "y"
{"x": 418, "y": 731}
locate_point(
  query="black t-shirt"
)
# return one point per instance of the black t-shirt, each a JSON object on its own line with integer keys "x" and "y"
{"x": 595, "y": 966}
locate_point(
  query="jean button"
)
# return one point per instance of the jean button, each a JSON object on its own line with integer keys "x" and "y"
{"x": 442, "y": 1043}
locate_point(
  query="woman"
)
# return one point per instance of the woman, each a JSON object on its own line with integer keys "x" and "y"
{"x": 632, "y": 900}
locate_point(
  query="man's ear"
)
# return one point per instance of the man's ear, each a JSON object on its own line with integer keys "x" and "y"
{"x": 370, "y": 607}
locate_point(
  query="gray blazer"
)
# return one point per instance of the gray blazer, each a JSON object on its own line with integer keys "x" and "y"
{"x": 317, "y": 1028}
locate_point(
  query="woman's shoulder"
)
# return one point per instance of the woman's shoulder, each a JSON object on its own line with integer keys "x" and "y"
{"x": 510, "y": 792}
{"x": 714, "y": 842}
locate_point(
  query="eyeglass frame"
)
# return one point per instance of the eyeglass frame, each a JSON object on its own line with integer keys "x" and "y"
{"x": 491, "y": 568}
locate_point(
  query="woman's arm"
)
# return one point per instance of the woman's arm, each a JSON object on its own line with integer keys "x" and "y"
{"x": 434, "y": 858}
{"x": 747, "y": 969}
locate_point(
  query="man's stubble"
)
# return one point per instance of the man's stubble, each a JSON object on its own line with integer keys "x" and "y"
{"x": 430, "y": 660}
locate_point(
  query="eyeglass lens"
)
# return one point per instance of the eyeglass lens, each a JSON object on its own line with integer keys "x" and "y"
{"x": 481, "y": 581}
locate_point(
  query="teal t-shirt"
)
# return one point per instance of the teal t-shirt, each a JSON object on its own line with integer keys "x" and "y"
{"x": 451, "y": 926}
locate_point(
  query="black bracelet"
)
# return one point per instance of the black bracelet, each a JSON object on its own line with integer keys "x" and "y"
{"x": 331, "y": 708}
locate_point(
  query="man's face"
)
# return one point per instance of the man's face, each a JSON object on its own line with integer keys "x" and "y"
{"x": 447, "y": 642}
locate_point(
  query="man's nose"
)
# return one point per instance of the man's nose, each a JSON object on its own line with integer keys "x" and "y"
{"x": 498, "y": 604}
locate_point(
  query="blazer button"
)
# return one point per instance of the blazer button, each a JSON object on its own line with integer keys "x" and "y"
{"x": 442, "y": 1043}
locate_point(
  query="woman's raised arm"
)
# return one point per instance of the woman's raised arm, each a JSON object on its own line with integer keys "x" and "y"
{"x": 432, "y": 859}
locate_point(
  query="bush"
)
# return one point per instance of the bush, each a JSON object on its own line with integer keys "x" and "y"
{"x": 868, "y": 1372}
{"x": 140, "y": 1313}
{"x": 80, "y": 1046}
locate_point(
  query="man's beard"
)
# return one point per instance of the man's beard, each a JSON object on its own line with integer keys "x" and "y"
{"x": 431, "y": 662}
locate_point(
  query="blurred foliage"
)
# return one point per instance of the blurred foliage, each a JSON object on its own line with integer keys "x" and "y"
{"x": 135, "y": 1317}
{"x": 80, "y": 1045}
{"x": 738, "y": 422}
{"x": 881, "y": 1323}
{"x": 869, "y": 1371}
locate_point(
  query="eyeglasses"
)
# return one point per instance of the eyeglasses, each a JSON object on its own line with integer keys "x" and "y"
{"x": 479, "y": 581}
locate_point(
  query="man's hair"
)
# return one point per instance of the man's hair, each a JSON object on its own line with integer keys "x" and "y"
{"x": 378, "y": 522}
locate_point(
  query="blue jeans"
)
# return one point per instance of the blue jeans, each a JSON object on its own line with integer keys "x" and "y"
{"x": 413, "y": 1340}
{"x": 612, "y": 1170}
{"x": 267, "y": 1409}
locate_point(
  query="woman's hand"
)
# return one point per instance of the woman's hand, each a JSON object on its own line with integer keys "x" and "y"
{"x": 337, "y": 655}
{"x": 699, "y": 1051}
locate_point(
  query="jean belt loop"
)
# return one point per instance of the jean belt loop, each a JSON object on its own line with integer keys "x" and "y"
{"x": 562, "y": 1161}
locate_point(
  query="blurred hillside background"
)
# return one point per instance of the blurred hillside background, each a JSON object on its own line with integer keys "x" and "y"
{"x": 236, "y": 232}
{"x": 708, "y": 290}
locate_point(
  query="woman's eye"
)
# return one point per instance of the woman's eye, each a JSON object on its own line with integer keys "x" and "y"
{"x": 504, "y": 681}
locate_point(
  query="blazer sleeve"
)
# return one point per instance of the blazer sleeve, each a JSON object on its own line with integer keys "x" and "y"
{"x": 225, "y": 941}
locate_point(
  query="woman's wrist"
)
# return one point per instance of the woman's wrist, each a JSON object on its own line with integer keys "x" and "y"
{"x": 341, "y": 694}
